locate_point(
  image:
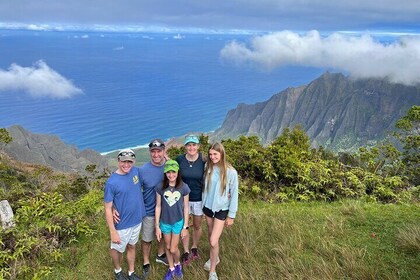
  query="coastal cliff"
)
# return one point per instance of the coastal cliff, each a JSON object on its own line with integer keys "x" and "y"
{"x": 51, "y": 151}
{"x": 335, "y": 111}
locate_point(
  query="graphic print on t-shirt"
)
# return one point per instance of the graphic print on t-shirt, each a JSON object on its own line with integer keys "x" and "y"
{"x": 171, "y": 197}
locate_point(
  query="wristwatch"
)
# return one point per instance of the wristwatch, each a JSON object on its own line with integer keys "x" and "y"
{"x": 187, "y": 227}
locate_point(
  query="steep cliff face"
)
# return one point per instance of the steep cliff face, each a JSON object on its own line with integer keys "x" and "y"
{"x": 335, "y": 111}
{"x": 51, "y": 151}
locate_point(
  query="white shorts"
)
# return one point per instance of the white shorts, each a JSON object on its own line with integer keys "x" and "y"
{"x": 127, "y": 236}
{"x": 196, "y": 208}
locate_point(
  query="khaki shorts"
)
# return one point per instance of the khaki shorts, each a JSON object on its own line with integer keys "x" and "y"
{"x": 148, "y": 229}
{"x": 127, "y": 236}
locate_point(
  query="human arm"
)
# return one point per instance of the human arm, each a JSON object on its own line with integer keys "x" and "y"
{"x": 158, "y": 210}
{"x": 233, "y": 182}
{"x": 184, "y": 230}
{"x": 115, "y": 238}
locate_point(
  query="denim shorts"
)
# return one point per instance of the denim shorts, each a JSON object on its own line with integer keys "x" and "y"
{"x": 220, "y": 215}
{"x": 175, "y": 228}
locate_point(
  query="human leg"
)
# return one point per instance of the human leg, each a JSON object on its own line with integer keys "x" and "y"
{"x": 116, "y": 258}
{"x": 197, "y": 230}
{"x": 131, "y": 256}
{"x": 147, "y": 235}
{"x": 174, "y": 250}
{"x": 217, "y": 230}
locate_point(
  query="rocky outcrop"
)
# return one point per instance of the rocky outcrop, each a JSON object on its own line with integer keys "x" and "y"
{"x": 51, "y": 151}
{"x": 335, "y": 111}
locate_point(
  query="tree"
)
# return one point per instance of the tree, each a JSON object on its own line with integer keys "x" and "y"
{"x": 5, "y": 136}
{"x": 409, "y": 136}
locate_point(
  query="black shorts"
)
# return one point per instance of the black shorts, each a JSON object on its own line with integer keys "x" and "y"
{"x": 220, "y": 215}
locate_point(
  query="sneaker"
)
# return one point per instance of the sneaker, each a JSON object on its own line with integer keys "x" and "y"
{"x": 162, "y": 259}
{"x": 207, "y": 264}
{"x": 120, "y": 276}
{"x": 169, "y": 275}
{"x": 178, "y": 272}
{"x": 134, "y": 276}
{"x": 185, "y": 258}
{"x": 194, "y": 253}
{"x": 146, "y": 270}
{"x": 213, "y": 276}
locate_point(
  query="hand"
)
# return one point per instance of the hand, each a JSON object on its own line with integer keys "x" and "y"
{"x": 115, "y": 216}
{"x": 184, "y": 232}
{"x": 158, "y": 233}
{"x": 229, "y": 222}
{"x": 115, "y": 237}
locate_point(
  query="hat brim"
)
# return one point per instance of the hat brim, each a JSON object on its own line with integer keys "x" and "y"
{"x": 171, "y": 169}
{"x": 157, "y": 148}
{"x": 126, "y": 159}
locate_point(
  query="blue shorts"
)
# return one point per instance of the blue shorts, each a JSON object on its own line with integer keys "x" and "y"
{"x": 175, "y": 228}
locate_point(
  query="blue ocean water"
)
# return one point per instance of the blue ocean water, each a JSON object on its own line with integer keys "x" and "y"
{"x": 136, "y": 86}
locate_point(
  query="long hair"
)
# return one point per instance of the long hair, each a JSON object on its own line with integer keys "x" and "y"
{"x": 178, "y": 182}
{"x": 222, "y": 164}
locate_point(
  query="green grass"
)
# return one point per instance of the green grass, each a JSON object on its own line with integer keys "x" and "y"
{"x": 342, "y": 240}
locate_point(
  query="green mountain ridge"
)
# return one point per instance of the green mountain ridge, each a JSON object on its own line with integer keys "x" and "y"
{"x": 336, "y": 112}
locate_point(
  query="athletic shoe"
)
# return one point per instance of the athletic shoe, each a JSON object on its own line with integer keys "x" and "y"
{"x": 162, "y": 259}
{"x": 194, "y": 253}
{"x": 213, "y": 276}
{"x": 146, "y": 270}
{"x": 134, "y": 276}
{"x": 120, "y": 276}
{"x": 178, "y": 272}
{"x": 185, "y": 258}
{"x": 207, "y": 264}
{"x": 169, "y": 275}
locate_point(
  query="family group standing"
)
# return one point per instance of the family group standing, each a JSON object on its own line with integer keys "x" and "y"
{"x": 157, "y": 199}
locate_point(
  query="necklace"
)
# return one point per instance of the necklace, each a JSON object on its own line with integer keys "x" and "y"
{"x": 191, "y": 162}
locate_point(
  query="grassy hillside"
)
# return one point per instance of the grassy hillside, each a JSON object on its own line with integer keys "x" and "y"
{"x": 341, "y": 240}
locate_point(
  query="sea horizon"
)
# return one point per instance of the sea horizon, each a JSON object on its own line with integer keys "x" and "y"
{"x": 134, "y": 87}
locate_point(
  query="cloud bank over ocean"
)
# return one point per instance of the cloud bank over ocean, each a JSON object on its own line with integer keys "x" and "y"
{"x": 360, "y": 56}
{"x": 131, "y": 28}
{"x": 39, "y": 81}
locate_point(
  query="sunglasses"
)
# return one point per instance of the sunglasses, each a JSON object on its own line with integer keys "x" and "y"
{"x": 156, "y": 144}
{"x": 191, "y": 137}
{"x": 126, "y": 154}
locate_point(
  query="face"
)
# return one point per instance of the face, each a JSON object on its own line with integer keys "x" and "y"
{"x": 171, "y": 175}
{"x": 125, "y": 166}
{"x": 157, "y": 156}
{"x": 192, "y": 148}
{"x": 214, "y": 156}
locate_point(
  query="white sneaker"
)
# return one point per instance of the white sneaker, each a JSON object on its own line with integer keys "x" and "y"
{"x": 207, "y": 265}
{"x": 213, "y": 276}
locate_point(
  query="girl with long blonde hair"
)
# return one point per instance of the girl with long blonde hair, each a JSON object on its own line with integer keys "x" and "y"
{"x": 220, "y": 201}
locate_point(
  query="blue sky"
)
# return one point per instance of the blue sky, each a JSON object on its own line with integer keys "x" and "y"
{"x": 337, "y": 34}
{"x": 261, "y": 15}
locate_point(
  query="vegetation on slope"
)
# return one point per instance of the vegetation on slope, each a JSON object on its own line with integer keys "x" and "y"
{"x": 60, "y": 231}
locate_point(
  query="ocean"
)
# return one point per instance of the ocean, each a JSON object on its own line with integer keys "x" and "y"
{"x": 135, "y": 86}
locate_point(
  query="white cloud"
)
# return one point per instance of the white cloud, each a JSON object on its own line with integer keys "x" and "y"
{"x": 39, "y": 81}
{"x": 360, "y": 56}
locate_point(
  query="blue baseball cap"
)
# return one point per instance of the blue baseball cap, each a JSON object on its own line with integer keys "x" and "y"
{"x": 191, "y": 139}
